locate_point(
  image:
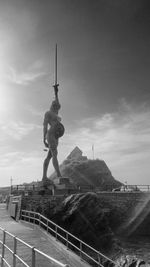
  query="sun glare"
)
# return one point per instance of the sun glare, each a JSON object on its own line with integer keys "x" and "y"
{"x": 3, "y": 91}
{"x": 3, "y": 99}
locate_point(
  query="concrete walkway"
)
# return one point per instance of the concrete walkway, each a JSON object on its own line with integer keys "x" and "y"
{"x": 34, "y": 236}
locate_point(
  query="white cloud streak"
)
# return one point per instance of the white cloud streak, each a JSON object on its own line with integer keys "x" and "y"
{"x": 23, "y": 78}
{"x": 17, "y": 130}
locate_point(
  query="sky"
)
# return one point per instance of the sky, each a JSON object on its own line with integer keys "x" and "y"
{"x": 103, "y": 75}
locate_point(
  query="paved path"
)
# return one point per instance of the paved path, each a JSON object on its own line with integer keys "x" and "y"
{"x": 34, "y": 236}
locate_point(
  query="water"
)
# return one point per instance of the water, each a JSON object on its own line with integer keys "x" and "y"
{"x": 137, "y": 246}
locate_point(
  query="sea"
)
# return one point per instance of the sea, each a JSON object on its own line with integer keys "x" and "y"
{"x": 137, "y": 246}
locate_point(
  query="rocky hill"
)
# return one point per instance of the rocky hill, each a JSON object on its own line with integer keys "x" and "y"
{"x": 86, "y": 172}
{"x": 85, "y": 217}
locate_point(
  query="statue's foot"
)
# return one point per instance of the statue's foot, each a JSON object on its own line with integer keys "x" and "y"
{"x": 45, "y": 178}
{"x": 59, "y": 176}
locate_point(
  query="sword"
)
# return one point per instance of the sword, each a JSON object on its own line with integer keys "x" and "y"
{"x": 56, "y": 84}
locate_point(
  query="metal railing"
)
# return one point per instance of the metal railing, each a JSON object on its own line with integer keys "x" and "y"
{"x": 140, "y": 187}
{"x": 13, "y": 248}
{"x": 81, "y": 188}
{"x": 85, "y": 251}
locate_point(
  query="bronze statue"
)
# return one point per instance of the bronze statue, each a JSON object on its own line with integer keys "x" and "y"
{"x": 53, "y": 129}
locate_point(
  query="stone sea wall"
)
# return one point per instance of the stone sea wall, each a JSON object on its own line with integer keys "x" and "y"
{"x": 121, "y": 207}
{"x": 98, "y": 219}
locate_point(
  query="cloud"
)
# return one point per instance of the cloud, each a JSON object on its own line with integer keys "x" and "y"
{"x": 8, "y": 158}
{"x": 17, "y": 158}
{"x": 35, "y": 112}
{"x": 21, "y": 166}
{"x": 129, "y": 128}
{"x": 17, "y": 130}
{"x": 24, "y": 78}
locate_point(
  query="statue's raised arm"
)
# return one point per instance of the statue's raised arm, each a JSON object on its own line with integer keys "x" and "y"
{"x": 56, "y": 83}
{"x": 56, "y": 101}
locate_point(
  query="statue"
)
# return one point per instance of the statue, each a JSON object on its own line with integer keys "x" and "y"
{"x": 53, "y": 129}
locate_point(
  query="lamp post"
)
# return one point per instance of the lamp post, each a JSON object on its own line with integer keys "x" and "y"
{"x": 11, "y": 180}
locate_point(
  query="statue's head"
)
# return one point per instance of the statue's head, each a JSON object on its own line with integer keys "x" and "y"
{"x": 55, "y": 106}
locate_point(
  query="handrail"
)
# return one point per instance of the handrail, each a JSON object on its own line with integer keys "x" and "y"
{"x": 60, "y": 233}
{"x": 34, "y": 252}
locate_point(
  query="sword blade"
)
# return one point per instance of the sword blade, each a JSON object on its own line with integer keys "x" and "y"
{"x": 56, "y": 65}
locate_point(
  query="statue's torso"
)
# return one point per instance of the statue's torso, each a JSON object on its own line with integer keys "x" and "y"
{"x": 55, "y": 129}
{"x": 51, "y": 118}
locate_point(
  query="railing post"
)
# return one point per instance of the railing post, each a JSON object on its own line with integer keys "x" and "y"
{"x": 3, "y": 248}
{"x": 39, "y": 220}
{"x": 81, "y": 250}
{"x": 34, "y": 218}
{"x": 47, "y": 226}
{"x": 24, "y": 213}
{"x": 67, "y": 244}
{"x": 14, "y": 252}
{"x": 99, "y": 259}
{"x": 56, "y": 231}
{"x": 33, "y": 257}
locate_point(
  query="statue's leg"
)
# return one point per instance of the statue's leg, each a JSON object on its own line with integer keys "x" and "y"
{"x": 46, "y": 163}
{"x": 55, "y": 161}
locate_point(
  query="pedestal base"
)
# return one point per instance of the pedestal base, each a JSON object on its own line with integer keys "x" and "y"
{"x": 62, "y": 180}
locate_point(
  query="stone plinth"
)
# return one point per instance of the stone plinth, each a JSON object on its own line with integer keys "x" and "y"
{"x": 63, "y": 184}
{"x": 62, "y": 180}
